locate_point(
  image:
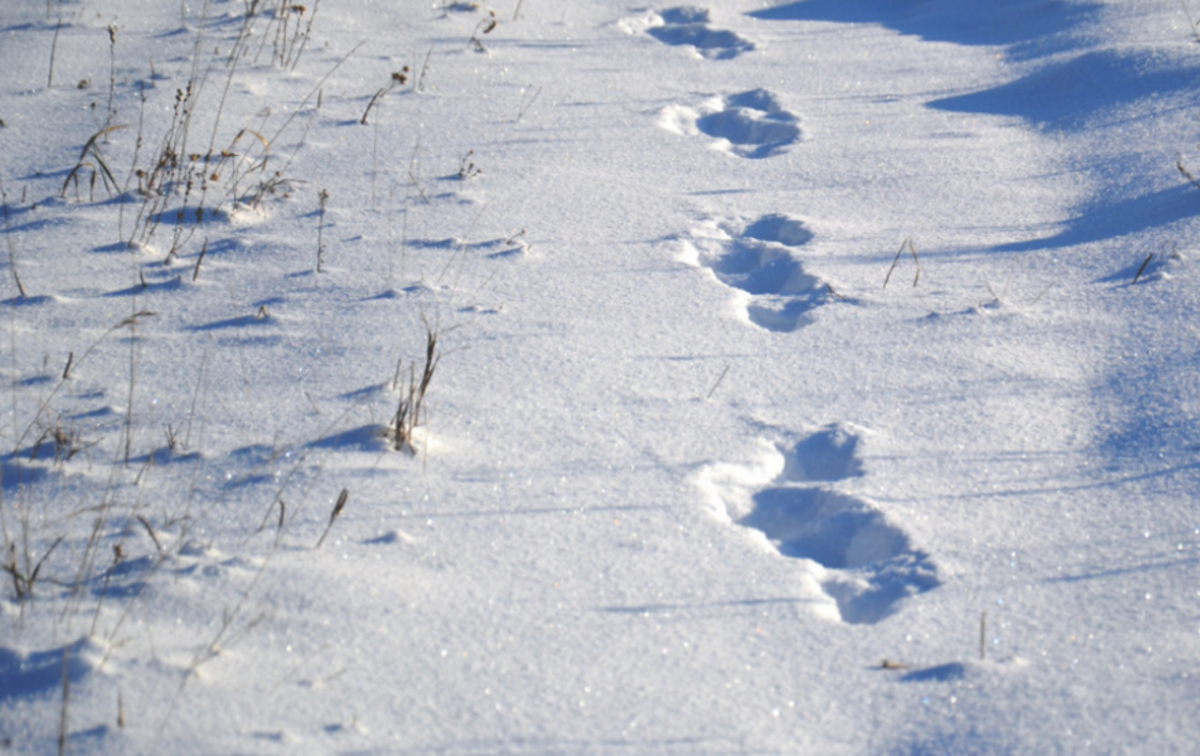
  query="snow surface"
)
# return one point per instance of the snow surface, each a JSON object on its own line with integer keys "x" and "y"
{"x": 815, "y": 377}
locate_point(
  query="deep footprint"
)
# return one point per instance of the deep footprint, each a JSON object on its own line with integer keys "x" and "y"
{"x": 758, "y": 260}
{"x": 689, "y": 26}
{"x": 752, "y": 125}
{"x": 830, "y": 454}
{"x": 869, "y": 563}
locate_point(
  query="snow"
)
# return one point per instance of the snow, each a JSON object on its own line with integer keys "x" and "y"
{"x": 812, "y": 377}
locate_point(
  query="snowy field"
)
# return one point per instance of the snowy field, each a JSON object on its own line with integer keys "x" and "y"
{"x": 551, "y": 377}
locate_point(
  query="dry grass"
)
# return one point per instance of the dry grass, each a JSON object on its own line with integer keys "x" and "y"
{"x": 12, "y": 250}
{"x": 175, "y": 172}
{"x": 322, "y": 198}
{"x": 486, "y": 25}
{"x": 906, "y": 244}
{"x": 90, "y": 158}
{"x": 410, "y": 412}
{"x": 337, "y": 510}
{"x": 399, "y": 78}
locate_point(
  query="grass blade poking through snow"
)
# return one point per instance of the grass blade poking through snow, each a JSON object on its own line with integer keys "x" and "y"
{"x": 91, "y": 147}
{"x": 1186, "y": 173}
{"x": 337, "y": 510}
{"x": 1142, "y": 269}
{"x": 12, "y": 253}
{"x": 412, "y": 398}
{"x": 23, "y": 580}
{"x": 398, "y": 78}
{"x": 907, "y": 244}
{"x": 322, "y": 198}
{"x": 485, "y": 26}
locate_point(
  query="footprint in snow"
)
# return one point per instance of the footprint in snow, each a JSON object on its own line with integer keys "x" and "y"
{"x": 690, "y": 26}
{"x": 752, "y": 124}
{"x": 864, "y": 563}
{"x": 759, "y": 262}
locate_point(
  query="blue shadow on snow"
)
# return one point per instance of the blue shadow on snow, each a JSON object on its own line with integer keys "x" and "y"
{"x": 41, "y": 671}
{"x": 1016, "y": 23}
{"x": 1109, "y": 220}
{"x": 1064, "y": 96}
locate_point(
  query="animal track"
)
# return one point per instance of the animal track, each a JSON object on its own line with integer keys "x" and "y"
{"x": 758, "y": 260}
{"x": 689, "y": 26}
{"x": 830, "y": 454}
{"x": 872, "y": 560}
{"x": 865, "y": 562}
{"x": 751, "y": 124}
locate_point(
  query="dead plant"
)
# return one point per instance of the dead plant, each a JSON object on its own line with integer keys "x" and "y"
{"x": 410, "y": 411}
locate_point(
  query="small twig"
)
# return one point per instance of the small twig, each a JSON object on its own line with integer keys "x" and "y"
{"x": 64, "y": 722}
{"x": 1143, "y": 268}
{"x": 983, "y": 636}
{"x": 337, "y": 510}
{"x": 467, "y": 168}
{"x": 1186, "y": 173}
{"x": 527, "y": 104}
{"x": 12, "y": 252}
{"x": 312, "y": 402}
{"x": 424, "y": 70}
{"x": 297, "y": 109}
{"x": 112, "y": 73}
{"x": 323, "y": 197}
{"x": 398, "y": 78}
{"x": 53, "y": 50}
{"x": 306, "y": 36}
{"x": 1042, "y": 294}
{"x": 896, "y": 261}
{"x": 200, "y": 259}
{"x": 282, "y": 510}
{"x": 917, "y": 276}
{"x": 485, "y": 26}
{"x": 713, "y": 390}
{"x": 1191, "y": 22}
{"x": 23, "y": 583}
{"x": 38, "y": 568}
{"x": 146, "y": 524}
{"x": 133, "y": 341}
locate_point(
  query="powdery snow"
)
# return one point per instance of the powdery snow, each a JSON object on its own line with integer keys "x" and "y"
{"x": 805, "y": 377}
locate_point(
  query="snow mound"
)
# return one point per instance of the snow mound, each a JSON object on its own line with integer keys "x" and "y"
{"x": 38, "y": 672}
